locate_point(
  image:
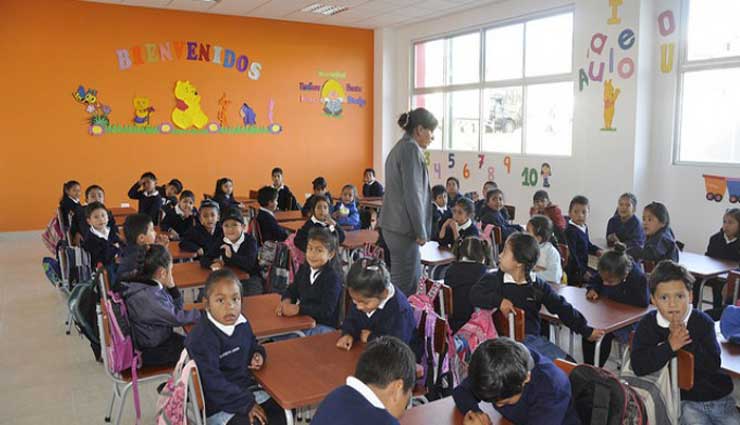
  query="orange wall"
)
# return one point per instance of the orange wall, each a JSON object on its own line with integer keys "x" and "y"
{"x": 49, "y": 47}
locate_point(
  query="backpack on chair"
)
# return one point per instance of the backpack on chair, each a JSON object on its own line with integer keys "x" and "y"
{"x": 82, "y": 301}
{"x": 478, "y": 329}
{"x": 655, "y": 391}
{"x": 53, "y": 234}
{"x": 172, "y": 404}
{"x": 601, "y": 398}
{"x": 275, "y": 266}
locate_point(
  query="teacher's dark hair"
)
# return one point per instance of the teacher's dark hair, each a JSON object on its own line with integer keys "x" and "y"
{"x": 408, "y": 121}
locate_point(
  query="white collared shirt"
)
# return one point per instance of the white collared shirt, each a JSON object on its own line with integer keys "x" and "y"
{"x": 665, "y": 323}
{"x": 104, "y": 234}
{"x": 319, "y": 222}
{"x": 581, "y": 228}
{"x": 235, "y": 245}
{"x": 510, "y": 279}
{"x": 728, "y": 241}
{"x": 149, "y": 195}
{"x": 227, "y": 329}
{"x": 442, "y": 210}
{"x": 391, "y": 293}
{"x": 267, "y": 211}
{"x": 314, "y": 275}
{"x": 76, "y": 201}
{"x": 158, "y": 283}
{"x": 365, "y": 392}
{"x": 465, "y": 226}
{"x": 179, "y": 210}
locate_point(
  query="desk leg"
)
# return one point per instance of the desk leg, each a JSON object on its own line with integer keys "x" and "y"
{"x": 597, "y": 352}
{"x": 735, "y": 292}
{"x": 288, "y": 417}
{"x": 700, "y": 302}
{"x": 571, "y": 338}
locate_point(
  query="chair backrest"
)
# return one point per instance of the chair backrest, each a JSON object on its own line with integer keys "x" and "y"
{"x": 565, "y": 365}
{"x": 104, "y": 333}
{"x": 253, "y": 194}
{"x": 504, "y": 325}
{"x": 685, "y": 370}
{"x": 497, "y": 236}
{"x": 564, "y": 253}
{"x": 511, "y": 210}
{"x": 440, "y": 333}
{"x": 732, "y": 280}
{"x": 444, "y": 303}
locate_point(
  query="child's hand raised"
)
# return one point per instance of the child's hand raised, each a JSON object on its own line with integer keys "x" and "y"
{"x": 227, "y": 250}
{"x": 679, "y": 336}
{"x": 476, "y": 418}
{"x": 592, "y": 295}
{"x": 365, "y": 335}
{"x": 506, "y": 307}
{"x": 596, "y": 335}
{"x": 345, "y": 342}
{"x": 257, "y": 361}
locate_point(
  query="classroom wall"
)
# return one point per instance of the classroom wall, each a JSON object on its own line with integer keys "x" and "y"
{"x": 50, "y": 47}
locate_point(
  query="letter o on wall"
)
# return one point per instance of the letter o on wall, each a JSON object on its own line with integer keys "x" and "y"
{"x": 242, "y": 63}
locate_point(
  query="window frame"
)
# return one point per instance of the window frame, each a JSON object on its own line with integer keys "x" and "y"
{"x": 482, "y": 85}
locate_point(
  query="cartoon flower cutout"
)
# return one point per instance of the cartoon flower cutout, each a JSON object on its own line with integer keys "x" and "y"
{"x": 96, "y": 130}
{"x": 165, "y": 128}
{"x": 90, "y": 109}
{"x": 213, "y": 127}
{"x": 275, "y": 128}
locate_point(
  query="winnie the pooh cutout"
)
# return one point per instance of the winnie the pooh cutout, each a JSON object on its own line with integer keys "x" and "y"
{"x": 142, "y": 111}
{"x": 610, "y": 99}
{"x": 187, "y": 112}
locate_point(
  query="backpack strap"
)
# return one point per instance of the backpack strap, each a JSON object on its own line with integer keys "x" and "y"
{"x": 434, "y": 290}
{"x": 600, "y": 407}
{"x": 135, "y": 386}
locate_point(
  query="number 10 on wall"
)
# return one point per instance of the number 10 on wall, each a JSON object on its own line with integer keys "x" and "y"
{"x": 529, "y": 176}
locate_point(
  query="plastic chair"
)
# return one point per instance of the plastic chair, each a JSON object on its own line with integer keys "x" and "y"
{"x": 513, "y": 324}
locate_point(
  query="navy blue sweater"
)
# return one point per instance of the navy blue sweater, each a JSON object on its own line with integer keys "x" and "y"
{"x": 307, "y": 209}
{"x": 286, "y": 200}
{"x": 633, "y": 290}
{"x": 245, "y": 258}
{"x": 395, "y": 319}
{"x": 199, "y": 237}
{"x": 346, "y": 406}
{"x": 79, "y": 224}
{"x": 301, "y": 236}
{"x": 452, "y": 199}
{"x": 173, "y": 220}
{"x": 319, "y": 300}
{"x": 546, "y": 398}
{"x": 659, "y": 246}
{"x": 223, "y": 364}
{"x": 461, "y": 276}
{"x": 498, "y": 219}
{"x": 71, "y": 211}
{"x": 629, "y": 232}
{"x": 580, "y": 247}
{"x": 149, "y": 205}
{"x": 491, "y": 290}
{"x": 270, "y": 229}
{"x": 127, "y": 260}
{"x": 438, "y": 219}
{"x": 651, "y": 351}
{"x": 101, "y": 250}
{"x": 449, "y": 238}
{"x": 224, "y": 203}
{"x": 372, "y": 190}
{"x": 719, "y": 248}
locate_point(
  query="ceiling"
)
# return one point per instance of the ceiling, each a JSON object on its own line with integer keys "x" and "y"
{"x": 361, "y": 13}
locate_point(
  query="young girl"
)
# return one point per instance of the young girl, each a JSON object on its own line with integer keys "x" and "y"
{"x": 223, "y": 194}
{"x": 69, "y": 204}
{"x": 460, "y": 226}
{"x": 345, "y": 211}
{"x": 549, "y": 267}
{"x": 181, "y": 217}
{"x": 660, "y": 243}
{"x": 155, "y": 306}
{"x": 493, "y": 213}
{"x": 378, "y": 307}
{"x": 320, "y": 190}
{"x": 724, "y": 245}
{"x": 624, "y": 226}
{"x": 317, "y": 286}
{"x": 474, "y": 257}
{"x": 622, "y": 280}
{"x": 320, "y": 217}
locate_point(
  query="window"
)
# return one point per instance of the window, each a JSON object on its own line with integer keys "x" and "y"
{"x": 506, "y": 89}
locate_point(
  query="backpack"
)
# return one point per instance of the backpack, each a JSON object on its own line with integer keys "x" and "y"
{"x": 275, "y": 265}
{"x": 172, "y": 403}
{"x": 474, "y": 332}
{"x": 75, "y": 264}
{"x": 655, "y": 391}
{"x": 600, "y": 398}
{"x": 297, "y": 257}
{"x": 52, "y": 271}
{"x": 82, "y": 301}
{"x": 729, "y": 324}
{"x": 53, "y": 234}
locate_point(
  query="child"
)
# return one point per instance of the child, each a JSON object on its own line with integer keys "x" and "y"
{"x": 474, "y": 257}
{"x": 379, "y": 391}
{"x": 660, "y": 243}
{"x": 198, "y": 238}
{"x": 139, "y": 232}
{"x": 543, "y": 206}
{"x": 345, "y": 211}
{"x": 441, "y": 213}
{"x": 461, "y": 225}
{"x": 286, "y": 200}
{"x": 378, "y": 307}
{"x": 102, "y": 244}
{"x": 676, "y": 326}
{"x": 624, "y": 226}
{"x": 371, "y": 187}
{"x": 317, "y": 286}
{"x": 171, "y": 190}
{"x": 579, "y": 243}
{"x": 224, "y": 194}
{"x": 93, "y": 193}
{"x": 522, "y": 385}
{"x": 453, "y": 191}
{"x": 236, "y": 249}
{"x": 319, "y": 191}
{"x": 225, "y": 349}
{"x": 180, "y": 218}
{"x": 494, "y": 213}
{"x": 481, "y": 203}
{"x": 270, "y": 229}
{"x": 155, "y": 306}
{"x": 319, "y": 218}
{"x": 150, "y": 200}
{"x": 514, "y": 285}
{"x": 69, "y": 204}
{"x": 549, "y": 266}
{"x": 619, "y": 279}
{"x": 723, "y": 245}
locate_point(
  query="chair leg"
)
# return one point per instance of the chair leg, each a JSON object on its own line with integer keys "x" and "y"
{"x": 112, "y": 401}
{"x": 289, "y": 417}
{"x": 69, "y": 323}
{"x": 122, "y": 403}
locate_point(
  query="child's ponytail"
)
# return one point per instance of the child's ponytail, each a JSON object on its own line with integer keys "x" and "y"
{"x": 616, "y": 262}
{"x": 150, "y": 260}
{"x": 526, "y": 251}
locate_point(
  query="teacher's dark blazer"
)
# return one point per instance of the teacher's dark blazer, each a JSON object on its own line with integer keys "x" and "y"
{"x": 407, "y": 203}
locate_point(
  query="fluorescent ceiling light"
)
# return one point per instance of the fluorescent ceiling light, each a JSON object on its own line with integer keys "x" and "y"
{"x": 324, "y": 9}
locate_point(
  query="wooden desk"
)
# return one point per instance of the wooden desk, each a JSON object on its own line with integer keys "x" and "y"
{"x": 705, "y": 268}
{"x": 444, "y": 412}
{"x": 374, "y": 203}
{"x": 432, "y": 256}
{"x": 357, "y": 238}
{"x": 730, "y": 354}
{"x": 281, "y": 216}
{"x": 178, "y": 254}
{"x": 192, "y": 275}
{"x": 292, "y": 226}
{"x": 122, "y": 213}
{"x": 303, "y": 371}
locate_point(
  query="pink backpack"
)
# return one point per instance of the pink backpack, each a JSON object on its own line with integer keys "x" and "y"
{"x": 172, "y": 402}
{"x": 53, "y": 234}
{"x": 474, "y": 332}
{"x": 297, "y": 257}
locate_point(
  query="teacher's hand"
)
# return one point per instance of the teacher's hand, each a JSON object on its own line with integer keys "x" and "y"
{"x": 421, "y": 241}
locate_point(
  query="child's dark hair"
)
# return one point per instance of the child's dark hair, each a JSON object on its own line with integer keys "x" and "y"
{"x": 466, "y": 204}
{"x": 149, "y": 175}
{"x": 92, "y": 206}
{"x": 150, "y": 260}
{"x": 266, "y": 194}
{"x": 578, "y": 200}
{"x": 177, "y": 184}
{"x": 525, "y": 249}
{"x": 369, "y": 277}
{"x": 369, "y": 170}
{"x": 354, "y": 191}
{"x": 453, "y": 179}
{"x": 276, "y": 170}
{"x": 438, "y": 190}
{"x": 187, "y": 194}
{"x": 490, "y": 183}
{"x": 220, "y": 182}
{"x": 543, "y": 228}
{"x": 734, "y": 213}
{"x": 68, "y": 185}
{"x": 498, "y": 369}
{"x": 208, "y": 203}
{"x": 660, "y": 212}
{"x": 632, "y": 198}
{"x": 319, "y": 183}
{"x": 135, "y": 225}
{"x": 540, "y": 195}
{"x": 91, "y": 188}
{"x": 385, "y": 360}
{"x": 493, "y": 192}
{"x": 221, "y": 275}
{"x": 326, "y": 238}
{"x": 474, "y": 249}
{"x": 320, "y": 199}
{"x": 667, "y": 271}
{"x": 615, "y": 261}
{"x": 408, "y": 121}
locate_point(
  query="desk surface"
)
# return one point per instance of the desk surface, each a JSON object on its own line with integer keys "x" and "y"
{"x": 281, "y": 216}
{"x": 357, "y": 238}
{"x": 303, "y": 371}
{"x": 122, "y": 212}
{"x": 292, "y": 226}
{"x": 376, "y": 203}
{"x": 703, "y": 266}
{"x": 444, "y": 412}
{"x": 192, "y": 275}
{"x": 178, "y": 254}
{"x": 433, "y": 255}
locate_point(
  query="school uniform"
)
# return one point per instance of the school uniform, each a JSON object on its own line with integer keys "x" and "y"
{"x": 270, "y": 229}
{"x": 466, "y": 230}
{"x": 301, "y": 236}
{"x": 353, "y": 404}
{"x": 71, "y": 210}
{"x": 393, "y": 316}
{"x": 317, "y": 292}
{"x": 243, "y": 256}
{"x": 660, "y": 246}
{"x": 451, "y": 200}
{"x": 551, "y": 262}
{"x": 461, "y": 276}
{"x": 546, "y": 398}
{"x": 174, "y": 218}
{"x": 308, "y": 206}
{"x": 372, "y": 190}
{"x": 352, "y": 219}
{"x": 225, "y": 202}
{"x": 198, "y": 237}
{"x": 149, "y": 203}
{"x": 439, "y": 217}
{"x": 724, "y": 249}
{"x": 79, "y": 224}
{"x": 580, "y": 247}
{"x": 286, "y": 200}
{"x": 629, "y": 232}
{"x": 499, "y": 219}
{"x": 103, "y": 246}
{"x": 128, "y": 258}
{"x": 167, "y": 201}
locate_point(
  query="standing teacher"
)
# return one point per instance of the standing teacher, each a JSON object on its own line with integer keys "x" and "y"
{"x": 406, "y": 216}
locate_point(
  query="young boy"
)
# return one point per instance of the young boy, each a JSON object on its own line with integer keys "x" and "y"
{"x": 441, "y": 213}
{"x": 286, "y": 200}
{"x": 181, "y": 217}
{"x": 225, "y": 349}
{"x": 677, "y": 326}
{"x": 494, "y": 213}
{"x": 102, "y": 243}
{"x": 522, "y": 385}
{"x": 236, "y": 249}
{"x": 379, "y": 391}
{"x": 139, "y": 232}
{"x": 481, "y": 203}
{"x": 93, "y": 193}
{"x": 198, "y": 238}
{"x": 543, "y": 206}
{"x": 171, "y": 190}
{"x": 150, "y": 200}
{"x": 269, "y": 227}
{"x": 579, "y": 244}
{"x": 319, "y": 189}
{"x": 371, "y": 187}
{"x": 461, "y": 225}
{"x": 453, "y": 191}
